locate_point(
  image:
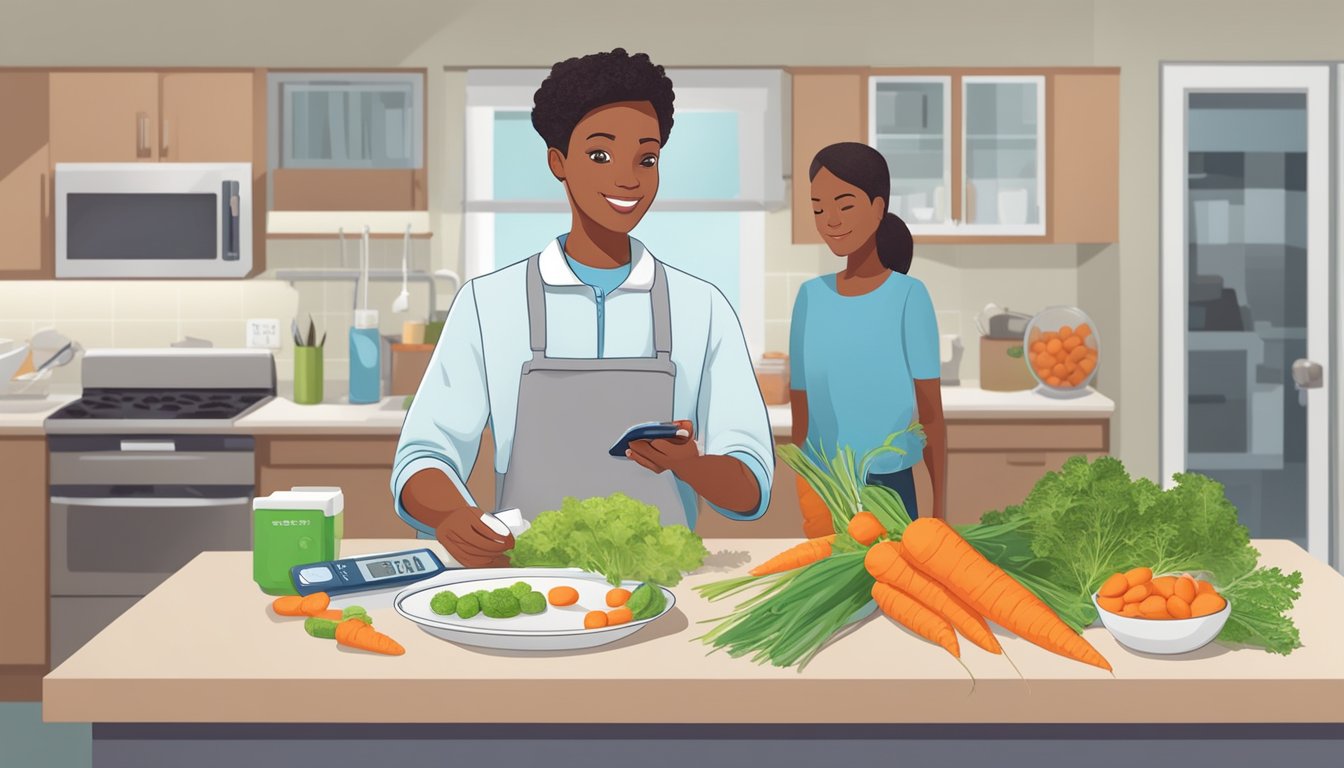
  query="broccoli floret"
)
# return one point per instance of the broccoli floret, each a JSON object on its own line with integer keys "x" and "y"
{"x": 500, "y": 604}
{"x": 532, "y": 603}
{"x": 468, "y": 606}
{"x": 521, "y": 588}
{"x": 324, "y": 628}
{"x": 351, "y": 611}
{"x": 480, "y": 595}
{"x": 444, "y": 603}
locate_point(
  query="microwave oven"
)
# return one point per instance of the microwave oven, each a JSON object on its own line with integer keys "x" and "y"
{"x": 153, "y": 220}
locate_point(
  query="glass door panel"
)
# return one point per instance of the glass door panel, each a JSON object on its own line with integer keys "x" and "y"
{"x": 909, "y": 120}
{"x": 1004, "y": 154}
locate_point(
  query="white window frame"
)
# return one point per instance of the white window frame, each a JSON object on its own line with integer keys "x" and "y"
{"x": 754, "y": 94}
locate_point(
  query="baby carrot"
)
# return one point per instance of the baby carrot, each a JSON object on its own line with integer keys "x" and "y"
{"x": 289, "y": 605}
{"x": 617, "y": 597}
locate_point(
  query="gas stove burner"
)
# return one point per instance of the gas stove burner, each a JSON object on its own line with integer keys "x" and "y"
{"x": 157, "y": 404}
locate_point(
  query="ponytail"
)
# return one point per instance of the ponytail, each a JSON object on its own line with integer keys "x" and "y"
{"x": 895, "y": 245}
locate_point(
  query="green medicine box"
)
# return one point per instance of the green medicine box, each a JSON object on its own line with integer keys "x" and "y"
{"x": 295, "y": 527}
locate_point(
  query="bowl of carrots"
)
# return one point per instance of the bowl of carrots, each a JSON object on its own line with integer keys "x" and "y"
{"x": 1168, "y": 614}
{"x": 1061, "y": 347}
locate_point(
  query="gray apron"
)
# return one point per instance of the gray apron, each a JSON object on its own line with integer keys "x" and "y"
{"x": 571, "y": 411}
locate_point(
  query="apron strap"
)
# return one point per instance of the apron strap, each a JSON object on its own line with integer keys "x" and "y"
{"x": 536, "y": 307}
{"x": 658, "y": 299}
{"x": 662, "y": 313}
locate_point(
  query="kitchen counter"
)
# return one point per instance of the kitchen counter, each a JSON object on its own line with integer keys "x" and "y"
{"x": 160, "y": 682}
{"x": 965, "y": 401}
{"x": 156, "y": 664}
{"x": 24, "y": 416}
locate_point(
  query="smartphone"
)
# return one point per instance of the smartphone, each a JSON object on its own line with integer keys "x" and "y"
{"x": 653, "y": 430}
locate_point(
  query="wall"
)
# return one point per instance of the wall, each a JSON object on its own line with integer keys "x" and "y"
{"x": 1117, "y": 284}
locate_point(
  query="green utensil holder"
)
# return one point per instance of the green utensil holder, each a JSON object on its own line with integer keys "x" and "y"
{"x": 307, "y": 375}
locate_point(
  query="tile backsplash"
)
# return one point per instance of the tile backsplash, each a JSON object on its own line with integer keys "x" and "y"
{"x": 155, "y": 313}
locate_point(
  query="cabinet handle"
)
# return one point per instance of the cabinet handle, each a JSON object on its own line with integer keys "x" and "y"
{"x": 1026, "y": 459}
{"x": 163, "y": 138}
{"x": 46, "y": 198}
{"x": 141, "y": 134}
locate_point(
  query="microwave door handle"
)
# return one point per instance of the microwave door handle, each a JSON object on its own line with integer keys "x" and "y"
{"x": 232, "y": 212}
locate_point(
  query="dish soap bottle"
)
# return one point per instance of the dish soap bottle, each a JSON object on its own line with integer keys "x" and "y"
{"x": 365, "y": 366}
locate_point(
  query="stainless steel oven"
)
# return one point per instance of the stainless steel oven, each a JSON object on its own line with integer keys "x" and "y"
{"x": 180, "y": 220}
{"x": 127, "y": 512}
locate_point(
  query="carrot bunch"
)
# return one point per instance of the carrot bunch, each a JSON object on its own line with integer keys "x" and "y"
{"x": 1063, "y": 359}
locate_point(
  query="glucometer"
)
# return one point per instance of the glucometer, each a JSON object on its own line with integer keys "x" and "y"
{"x": 387, "y": 570}
{"x": 653, "y": 430}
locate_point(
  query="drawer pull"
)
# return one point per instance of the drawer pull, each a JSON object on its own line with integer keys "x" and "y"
{"x": 1026, "y": 459}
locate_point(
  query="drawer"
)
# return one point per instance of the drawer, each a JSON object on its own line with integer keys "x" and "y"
{"x": 1029, "y": 435}
{"x": 979, "y": 482}
{"x": 328, "y": 452}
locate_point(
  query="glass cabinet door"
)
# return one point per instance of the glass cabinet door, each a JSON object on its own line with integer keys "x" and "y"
{"x": 372, "y": 120}
{"x": 1003, "y": 155}
{"x": 908, "y": 122}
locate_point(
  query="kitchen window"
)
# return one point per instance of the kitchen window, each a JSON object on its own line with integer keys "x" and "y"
{"x": 721, "y": 171}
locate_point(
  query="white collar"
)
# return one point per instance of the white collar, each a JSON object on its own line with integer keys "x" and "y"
{"x": 555, "y": 268}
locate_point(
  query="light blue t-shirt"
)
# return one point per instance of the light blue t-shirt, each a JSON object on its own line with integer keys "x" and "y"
{"x": 603, "y": 282}
{"x": 857, "y": 357}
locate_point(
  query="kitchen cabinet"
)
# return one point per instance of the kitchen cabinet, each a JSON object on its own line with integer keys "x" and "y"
{"x": 104, "y": 117}
{"x": 207, "y": 117}
{"x": 187, "y": 116}
{"x": 25, "y": 176}
{"x": 828, "y": 107}
{"x": 23, "y": 567}
{"x": 978, "y": 156}
{"x": 994, "y": 463}
{"x": 361, "y": 465}
{"x": 348, "y": 141}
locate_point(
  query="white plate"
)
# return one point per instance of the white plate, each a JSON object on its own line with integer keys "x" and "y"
{"x": 556, "y": 629}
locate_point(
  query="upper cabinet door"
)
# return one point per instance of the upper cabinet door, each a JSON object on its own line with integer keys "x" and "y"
{"x": 25, "y": 176}
{"x": 104, "y": 117}
{"x": 1003, "y": 154}
{"x": 910, "y": 123}
{"x": 828, "y": 107}
{"x": 207, "y": 117}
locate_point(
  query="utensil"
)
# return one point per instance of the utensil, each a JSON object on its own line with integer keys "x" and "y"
{"x": 403, "y": 300}
{"x": 556, "y": 629}
{"x": 1001, "y": 323}
{"x": 294, "y": 329}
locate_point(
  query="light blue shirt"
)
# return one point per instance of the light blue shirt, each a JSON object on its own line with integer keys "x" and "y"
{"x": 603, "y": 282}
{"x": 473, "y": 374}
{"x": 857, "y": 357}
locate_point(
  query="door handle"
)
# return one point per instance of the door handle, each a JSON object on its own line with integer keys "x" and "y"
{"x": 1307, "y": 374}
{"x": 1026, "y": 459}
{"x": 141, "y": 134}
{"x": 149, "y": 502}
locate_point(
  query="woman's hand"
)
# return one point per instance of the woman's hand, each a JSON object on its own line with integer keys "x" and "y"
{"x": 666, "y": 453}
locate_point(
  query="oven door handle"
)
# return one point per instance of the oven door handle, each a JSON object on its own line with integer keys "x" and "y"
{"x": 153, "y": 502}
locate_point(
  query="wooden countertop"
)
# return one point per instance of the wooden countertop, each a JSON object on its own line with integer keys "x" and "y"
{"x": 203, "y": 648}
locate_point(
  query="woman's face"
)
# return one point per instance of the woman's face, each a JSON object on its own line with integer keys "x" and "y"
{"x": 610, "y": 171}
{"x": 846, "y": 218}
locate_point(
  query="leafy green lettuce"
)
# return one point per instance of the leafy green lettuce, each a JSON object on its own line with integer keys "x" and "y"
{"x": 616, "y": 536}
{"x": 1090, "y": 520}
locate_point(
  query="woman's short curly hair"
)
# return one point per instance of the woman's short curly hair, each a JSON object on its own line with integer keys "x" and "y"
{"x": 577, "y": 86}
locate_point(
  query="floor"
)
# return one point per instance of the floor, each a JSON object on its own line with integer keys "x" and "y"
{"x": 27, "y": 742}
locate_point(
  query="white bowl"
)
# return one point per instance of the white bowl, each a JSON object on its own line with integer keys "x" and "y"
{"x": 922, "y": 213}
{"x": 1164, "y": 636}
{"x": 558, "y": 629}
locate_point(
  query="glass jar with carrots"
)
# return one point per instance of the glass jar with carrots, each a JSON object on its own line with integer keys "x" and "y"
{"x": 1061, "y": 347}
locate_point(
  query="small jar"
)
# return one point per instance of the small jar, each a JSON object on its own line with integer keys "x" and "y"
{"x": 772, "y": 376}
